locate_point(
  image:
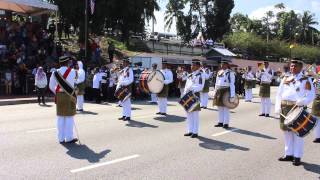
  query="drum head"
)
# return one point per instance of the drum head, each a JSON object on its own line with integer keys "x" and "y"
{"x": 227, "y": 103}
{"x": 293, "y": 115}
{"x": 155, "y": 82}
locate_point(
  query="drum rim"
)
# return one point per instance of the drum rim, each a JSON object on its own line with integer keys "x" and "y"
{"x": 301, "y": 110}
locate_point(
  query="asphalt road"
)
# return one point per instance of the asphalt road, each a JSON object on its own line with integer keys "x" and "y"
{"x": 149, "y": 147}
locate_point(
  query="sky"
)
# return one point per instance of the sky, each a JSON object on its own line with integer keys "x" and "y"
{"x": 254, "y": 8}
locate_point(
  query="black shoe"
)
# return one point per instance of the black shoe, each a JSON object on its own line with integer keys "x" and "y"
{"x": 317, "y": 140}
{"x": 219, "y": 125}
{"x": 122, "y": 118}
{"x": 226, "y": 126}
{"x": 286, "y": 158}
{"x": 262, "y": 114}
{"x": 119, "y": 105}
{"x": 267, "y": 115}
{"x": 188, "y": 134}
{"x": 204, "y": 107}
{"x": 62, "y": 142}
{"x": 81, "y": 110}
{"x": 158, "y": 113}
{"x": 127, "y": 119}
{"x": 163, "y": 114}
{"x": 296, "y": 161}
{"x": 194, "y": 135}
{"x": 72, "y": 141}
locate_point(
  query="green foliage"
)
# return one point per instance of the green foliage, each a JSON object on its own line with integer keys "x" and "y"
{"x": 252, "y": 45}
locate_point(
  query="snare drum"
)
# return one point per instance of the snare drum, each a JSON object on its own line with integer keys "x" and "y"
{"x": 300, "y": 121}
{"x": 190, "y": 102}
{"x": 122, "y": 93}
{"x": 151, "y": 81}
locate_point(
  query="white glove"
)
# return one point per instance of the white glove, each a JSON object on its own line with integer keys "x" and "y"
{"x": 232, "y": 99}
{"x": 300, "y": 102}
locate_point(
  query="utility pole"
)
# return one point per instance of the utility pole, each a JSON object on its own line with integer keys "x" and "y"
{"x": 86, "y": 30}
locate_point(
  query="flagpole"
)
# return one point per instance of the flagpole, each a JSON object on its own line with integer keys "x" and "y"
{"x": 86, "y": 31}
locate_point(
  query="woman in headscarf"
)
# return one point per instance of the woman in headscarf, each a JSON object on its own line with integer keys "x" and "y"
{"x": 41, "y": 83}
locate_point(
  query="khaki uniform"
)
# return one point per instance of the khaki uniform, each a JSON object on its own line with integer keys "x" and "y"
{"x": 265, "y": 77}
{"x": 163, "y": 95}
{"x": 204, "y": 97}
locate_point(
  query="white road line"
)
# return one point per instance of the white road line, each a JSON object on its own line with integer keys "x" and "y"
{"x": 104, "y": 163}
{"x": 41, "y": 130}
{"x": 224, "y": 132}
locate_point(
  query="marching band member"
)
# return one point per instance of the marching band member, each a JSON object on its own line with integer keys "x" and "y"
{"x": 80, "y": 85}
{"x": 204, "y": 97}
{"x": 163, "y": 95}
{"x": 153, "y": 95}
{"x": 62, "y": 85}
{"x": 182, "y": 76}
{"x": 248, "y": 85}
{"x": 294, "y": 90}
{"x": 195, "y": 83}
{"x": 265, "y": 75}
{"x": 126, "y": 79}
{"x": 224, "y": 83}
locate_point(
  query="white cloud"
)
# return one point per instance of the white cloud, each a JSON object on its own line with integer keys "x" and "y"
{"x": 261, "y": 12}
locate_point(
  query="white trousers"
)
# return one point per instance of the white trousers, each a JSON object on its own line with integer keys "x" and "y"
{"x": 181, "y": 92}
{"x": 126, "y": 108}
{"x": 317, "y": 128}
{"x": 204, "y": 97}
{"x": 162, "y": 103}
{"x": 65, "y": 128}
{"x": 248, "y": 94}
{"x": 193, "y": 122}
{"x": 80, "y": 101}
{"x": 265, "y": 105}
{"x": 293, "y": 144}
{"x": 153, "y": 97}
{"x": 224, "y": 115}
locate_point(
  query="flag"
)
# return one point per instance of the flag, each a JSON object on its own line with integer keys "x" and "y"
{"x": 92, "y": 5}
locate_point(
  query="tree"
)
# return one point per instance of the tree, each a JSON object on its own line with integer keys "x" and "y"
{"x": 307, "y": 29}
{"x": 267, "y": 23}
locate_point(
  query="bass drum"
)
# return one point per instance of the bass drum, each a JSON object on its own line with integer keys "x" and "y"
{"x": 151, "y": 81}
{"x": 300, "y": 121}
{"x": 227, "y": 103}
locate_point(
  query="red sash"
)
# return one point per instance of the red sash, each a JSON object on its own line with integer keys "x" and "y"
{"x": 65, "y": 75}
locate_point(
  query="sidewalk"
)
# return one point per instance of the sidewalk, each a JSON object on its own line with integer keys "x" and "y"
{"x": 14, "y": 100}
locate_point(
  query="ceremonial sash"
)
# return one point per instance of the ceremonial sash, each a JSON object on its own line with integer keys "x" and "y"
{"x": 62, "y": 83}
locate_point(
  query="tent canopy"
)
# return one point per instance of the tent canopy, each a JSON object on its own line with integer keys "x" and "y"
{"x": 30, "y": 7}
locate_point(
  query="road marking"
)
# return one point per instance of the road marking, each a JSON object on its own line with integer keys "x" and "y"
{"x": 224, "y": 132}
{"x": 104, "y": 163}
{"x": 41, "y": 130}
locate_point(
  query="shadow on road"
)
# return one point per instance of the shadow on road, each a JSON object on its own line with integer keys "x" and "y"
{"x": 88, "y": 112}
{"x": 138, "y": 124}
{"x": 46, "y": 105}
{"x": 135, "y": 108}
{"x": 255, "y": 134}
{"x": 315, "y": 168}
{"x": 170, "y": 118}
{"x": 218, "y": 145}
{"x": 84, "y": 152}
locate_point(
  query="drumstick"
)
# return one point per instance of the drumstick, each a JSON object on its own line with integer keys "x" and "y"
{"x": 159, "y": 80}
{"x": 283, "y": 115}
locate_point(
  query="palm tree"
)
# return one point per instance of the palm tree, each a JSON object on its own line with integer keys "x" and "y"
{"x": 174, "y": 10}
{"x": 307, "y": 21}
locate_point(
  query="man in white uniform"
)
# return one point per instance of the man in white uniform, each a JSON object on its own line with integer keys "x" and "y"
{"x": 195, "y": 83}
{"x": 65, "y": 100}
{"x": 224, "y": 83}
{"x": 249, "y": 84}
{"x": 294, "y": 90}
{"x": 163, "y": 95}
{"x": 153, "y": 95}
{"x": 126, "y": 79}
{"x": 204, "y": 97}
{"x": 265, "y": 75}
